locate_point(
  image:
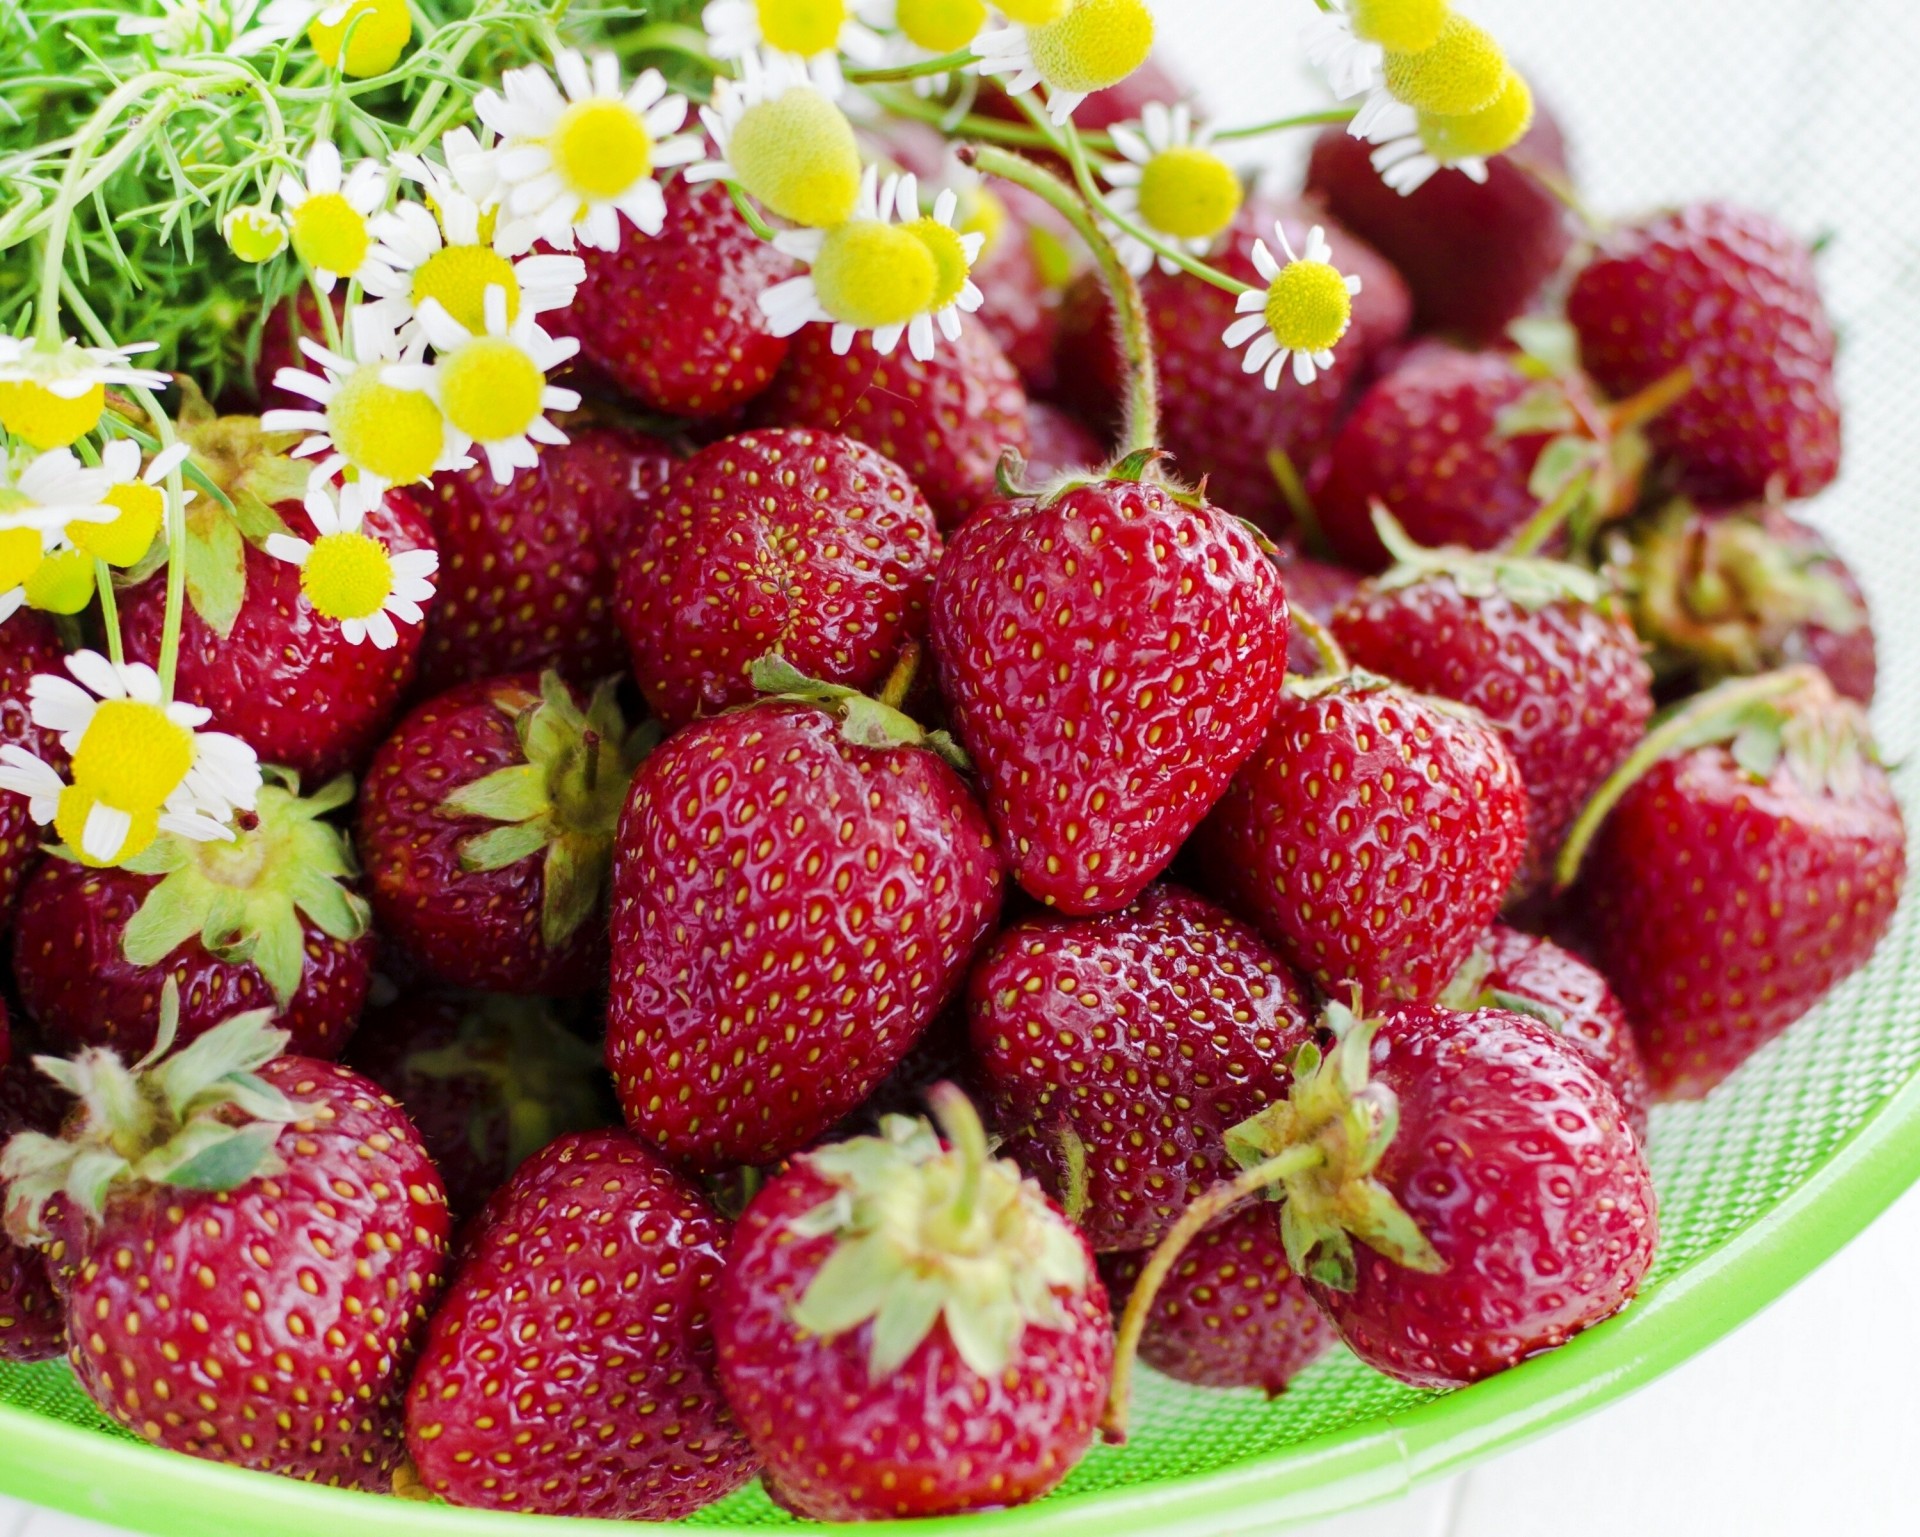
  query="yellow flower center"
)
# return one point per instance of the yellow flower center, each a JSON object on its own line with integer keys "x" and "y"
{"x": 132, "y": 756}
{"x": 129, "y": 536}
{"x": 601, "y": 148}
{"x": 392, "y": 433}
{"x": 70, "y": 822}
{"x": 805, "y": 27}
{"x": 1098, "y": 43}
{"x": 20, "y": 555}
{"x": 491, "y": 389}
{"x": 1462, "y": 72}
{"x": 950, "y": 267}
{"x": 1492, "y": 129}
{"x": 1308, "y": 306}
{"x": 255, "y": 234}
{"x": 35, "y": 415}
{"x": 63, "y": 583}
{"x": 941, "y": 26}
{"x": 1399, "y": 26}
{"x": 372, "y": 36}
{"x": 984, "y": 215}
{"x": 797, "y": 155}
{"x": 1035, "y": 13}
{"x": 871, "y": 274}
{"x": 459, "y": 277}
{"x": 330, "y": 234}
{"x": 348, "y": 576}
{"x": 1191, "y": 194}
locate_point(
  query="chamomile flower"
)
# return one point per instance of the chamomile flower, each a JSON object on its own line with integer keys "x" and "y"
{"x": 491, "y": 383}
{"x": 1462, "y": 72}
{"x": 140, "y": 766}
{"x": 53, "y": 396}
{"x": 43, "y": 498}
{"x": 328, "y": 213}
{"x": 1073, "y": 49}
{"x": 351, "y": 577}
{"x": 137, "y": 499}
{"x": 813, "y": 33}
{"x": 1172, "y": 183}
{"x": 782, "y": 140}
{"x": 1416, "y": 145}
{"x": 469, "y": 166}
{"x": 1301, "y": 313}
{"x": 574, "y": 157}
{"x": 193, "y": 26}
{"x": 1350, "y": 41}
{"x": 359, "y": 37}
{"x": 916, "y": 30}
{"x": 454, "y": 252}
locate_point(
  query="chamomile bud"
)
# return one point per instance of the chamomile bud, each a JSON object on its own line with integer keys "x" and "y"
{"x": 1461, "y": 72}
{"x": 138, "y": 501}
{"x": 1428, "y": 142}
{"x": 254, "y": 233}
{"x": 1398, "y": 26}
{"x": 362, "y": 37}
{"x": 1093, "y": 45}
{"x": 1302, "y": 313}
{"x": 63, "y": 583}
{"x": 783, "y": 142}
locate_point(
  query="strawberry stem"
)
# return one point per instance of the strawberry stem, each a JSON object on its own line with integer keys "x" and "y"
{"x": 1311, "y": 536}
{"x": 893, "y": 693}
{"x": 968, "y": 1138}
{"x": 1644, "y": 405}
{"x": 1550, "y": 517}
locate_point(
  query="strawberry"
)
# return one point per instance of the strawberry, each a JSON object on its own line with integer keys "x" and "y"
{"x": 1115, "y": 1051}
{"x": 787, "y": 541}
{"x": 1060, "y": 444}
{"x": 1314, "y": 588}
{"x": 674, "y": 320}
{"x": 257, "y": 1241}
{"x": 1111, "y": 655}
{"x": 486, "y": 829}
{"x": 1536, "y": 646}
{"x": 29, "y": 644}
{"x": 527, "y": 570}
{"x": 32, "y": 1319}
{"x": 1744, "y": 861}
{"x": 1371, "y": 837}
{"x": 281, "y": 331}
{"x": 273, "y": 918}
{"x": 1732, "y": 295}
{"x": 907, "y": 1329}
{"x": 945, "y": 421}
{"x": 599, "y": 1264}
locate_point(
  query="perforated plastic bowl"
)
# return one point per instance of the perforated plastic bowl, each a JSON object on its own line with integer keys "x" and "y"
{"x": 1795, "y": 105}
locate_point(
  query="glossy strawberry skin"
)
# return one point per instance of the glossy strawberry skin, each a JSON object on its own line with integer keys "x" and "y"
{"x": 1371, "y": 837}
{"x": 932, "y": 1439}
{"x": 1722, "y": 909}
{"x": 527, "y": 570}
{"x": 1516, "y": 1161}
{"x": 786, "y": 540}
{"x": 674, "y": 319}
{"x": 70, "y": 966}
{"x": 1564, "y": 683}
{"x": 285, "y": 681}
{"x": 29, "y": 645}
{"x": 1733, "y": 295}
{"x": 1231, "y": 1314}
{"x": 198, "y": 1320}
{"x": 593, "y": 1218}
{"x": 32, "y": 1318}
{"x": 945, "y": 421}
{"x": 1110, "y": 659}
{"x": 1144, "y": 1034}
{"x": 790, "y": 912}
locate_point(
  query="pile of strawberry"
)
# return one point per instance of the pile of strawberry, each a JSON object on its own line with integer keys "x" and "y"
{"x": 1264, "y": 857}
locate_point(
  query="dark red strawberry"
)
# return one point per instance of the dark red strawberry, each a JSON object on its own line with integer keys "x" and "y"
{"x": 33, "y": 1325}
{"x": 1115, "y": 1052}
{"x": 292, "y": 319}
{"x": 29, "y": 645}
{"x": 796, "y": 896}
{"x": 273, "y": 919}
{"x": 1059, "y": 444}
{"x": 1745, "y": 860}
{"x": 486, "y": 829}
{"x": 945, "y": 421}
{"x": 1733, "y": 296}
{"x": 787, "y": 541}
{"x": 1372, "y": 836}
{"x": 256, "y": 1293}
{"x": 527, "y": 570}
{"x": 944, "y": 1054}
{"x": 906, "y": 1330}
{"x": 674, "y": 319}
{"x": 1314, "y": 588}
{"x": 598, "y": 1263}
{"x": 1111, "y": 656}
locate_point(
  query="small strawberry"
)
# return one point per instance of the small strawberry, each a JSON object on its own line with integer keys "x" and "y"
{"x": 789, "y": 542}
{"x": 1731, "y": 295}
{"x": 907, "y": 1329}
{"x": 1116, "y": 1051}
{"x": 1314, "y": 588}
{"x": 29, "y": 645}
{"x": 257, "y": 1241}
{"x": 33, "y": 1324}
{"x": 486, "y": 829}
{"x": 945, "y": 421}
{"x": 1743, "y": 862}
{"x": 273, "y": 918}
{"x": 598, "y": 1264}
{"x": 1111, "y": 655}
{"x": 1059, "y": 444}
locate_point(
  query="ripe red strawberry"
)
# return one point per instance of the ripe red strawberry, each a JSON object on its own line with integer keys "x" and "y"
{"x": 674, "y": 319}
{"x": 1731, "y": 294}
{"x": 945, "y": 421}
{"x": 273, "y": 919}
{"x": 796, "y": 896}
{"x": 1750, "y": 857}
{"x": 527, "y": 570}
{"x": 255, "y": 1294}
{"x": 1115, "y": 1052}
{"x": 598, "y": 1263}
{"x": 486, "y": 829}
{"x": 1314, "y": 588}
{"x": 293, "y": 318}
{"x": 33, "y": 1324}
{"x": 786, "y": 541}
{"x": 29, "y": 644}
{"x": 906, "y": 1330}
{"x": 1111, "y": 657}
{"x": 1537, "y": 647}
{"x": 1059, "y": 444}
{"x": 1371, "y": 837}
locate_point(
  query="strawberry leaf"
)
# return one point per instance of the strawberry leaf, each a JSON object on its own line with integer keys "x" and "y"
{"x": 500, "y": 847}
{"x": 216, "y": 568}
{"x": 514, "y": 794}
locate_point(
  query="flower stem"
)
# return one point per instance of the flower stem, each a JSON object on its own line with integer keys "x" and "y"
{"x": 945, "y": 64}
{"x": 1281, "y": 124}
{"x": 971, "y": 125}
{"x": 748, "y": 212}
{"x": 109, "y": 610}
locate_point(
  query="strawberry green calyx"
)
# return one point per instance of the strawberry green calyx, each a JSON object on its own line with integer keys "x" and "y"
{"x": 930, "y": 1234}
{"x": 1529, "y": 580}
{"x": 864, "y": 721}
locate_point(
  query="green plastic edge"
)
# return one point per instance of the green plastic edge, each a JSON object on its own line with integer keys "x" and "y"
{"x": 121, "y": 1483}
